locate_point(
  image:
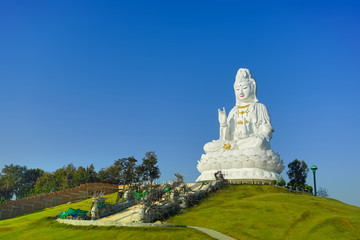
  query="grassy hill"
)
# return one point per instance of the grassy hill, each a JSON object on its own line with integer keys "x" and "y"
{"x": 269, "y": 212}
{"x": 240, "y": 211}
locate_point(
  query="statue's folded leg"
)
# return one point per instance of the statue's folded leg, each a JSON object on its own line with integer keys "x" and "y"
{"x": 213, "y": 146}
{"x": 253, "y": 143}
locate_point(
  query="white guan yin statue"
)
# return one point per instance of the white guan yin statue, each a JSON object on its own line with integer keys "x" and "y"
{"x": 243, "y": 151}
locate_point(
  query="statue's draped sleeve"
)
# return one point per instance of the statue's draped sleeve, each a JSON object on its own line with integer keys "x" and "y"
{"x": 262, "y": 122}
{"x": 223, "y": 132}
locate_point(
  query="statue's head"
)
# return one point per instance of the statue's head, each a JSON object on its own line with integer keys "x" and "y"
{"x": 245, "y": 87}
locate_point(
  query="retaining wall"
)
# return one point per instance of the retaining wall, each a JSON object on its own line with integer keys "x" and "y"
{"x": 112, "y": 223}
{"x": 41, "y": 201}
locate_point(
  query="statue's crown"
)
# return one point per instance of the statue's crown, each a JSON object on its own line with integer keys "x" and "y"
{"x": 243, "y": 74}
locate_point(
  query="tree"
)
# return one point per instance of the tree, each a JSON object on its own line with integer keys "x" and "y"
{"x": 322, "y": 192}
{"x": 28, "y": 182}
{"x": 92, "y": 173}
{"x": 109, "y": 175}
{"x": 11, "y": 181}
{"x": 127, "y": 171}
{"x": 6, "y": 189}
{"x": 63, "y": 177}
{"x": 45, "y": 184}
{"x": 139, "y": 172}
{"x": 150, "y": 171}
{"x": 81, "y": 176}
{"x": 297, "y": 172}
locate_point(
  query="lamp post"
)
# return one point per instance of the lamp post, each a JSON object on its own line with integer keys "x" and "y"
{"x": 314, "y": 168}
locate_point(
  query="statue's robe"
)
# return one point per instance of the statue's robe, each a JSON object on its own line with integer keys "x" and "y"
{"x": 258, "y": 130}
{"x": 259, "y": 122}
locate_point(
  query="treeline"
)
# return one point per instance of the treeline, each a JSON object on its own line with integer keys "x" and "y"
{"x": 18, "y": 181}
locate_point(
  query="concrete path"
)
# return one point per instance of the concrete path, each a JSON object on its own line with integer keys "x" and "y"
{"x": 132, "y": 214}
{"x": 213, "y": 233}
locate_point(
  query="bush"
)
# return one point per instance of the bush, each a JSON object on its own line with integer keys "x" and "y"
{"x": 282, "y": 182}
{"x": 309, "y": 188}
{"x": 2, "y": 200}
{"x": 302, "y": 186}
{"x": 273, "y": 182}
{"x": 289, "y": 184}
{"x": 295, "y": 185}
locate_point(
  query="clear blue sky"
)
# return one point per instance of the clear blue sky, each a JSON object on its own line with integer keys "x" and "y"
{"x": 92, "y": 81}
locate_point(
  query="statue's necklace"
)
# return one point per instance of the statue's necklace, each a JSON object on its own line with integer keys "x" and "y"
{"x": 242, "y": 111}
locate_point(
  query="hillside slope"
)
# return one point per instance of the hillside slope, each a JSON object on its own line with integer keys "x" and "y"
{"x": 241, "y": 211}
{"x": 269, "y": 212}
{"x": 41, "y": 225}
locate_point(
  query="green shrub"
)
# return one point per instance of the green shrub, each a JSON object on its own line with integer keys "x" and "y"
{"x": 273, "y": 182}
{"x": 309, "y": 188}
{"x": 289, "y": 184}
{"x": 282, "y": 182}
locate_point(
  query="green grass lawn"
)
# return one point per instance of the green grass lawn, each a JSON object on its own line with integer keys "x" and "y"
{"x": 41, "y": 225}
{"x": 269, "y": 212}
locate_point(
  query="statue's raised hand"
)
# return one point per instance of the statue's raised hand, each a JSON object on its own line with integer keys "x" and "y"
{"x": 222, "y": 116}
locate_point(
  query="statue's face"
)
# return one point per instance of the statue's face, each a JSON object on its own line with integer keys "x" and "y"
{"x": 243, "y": 91}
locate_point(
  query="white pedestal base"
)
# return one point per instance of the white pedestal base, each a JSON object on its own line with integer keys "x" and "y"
{"x": 241, "y": 175}
{"x": 241, "y": 165}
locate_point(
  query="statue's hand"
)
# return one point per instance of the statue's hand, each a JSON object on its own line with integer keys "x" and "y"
{"x": 222, "y": 117}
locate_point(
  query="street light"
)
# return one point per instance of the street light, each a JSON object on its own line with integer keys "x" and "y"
{"x": 314, "y": 168}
